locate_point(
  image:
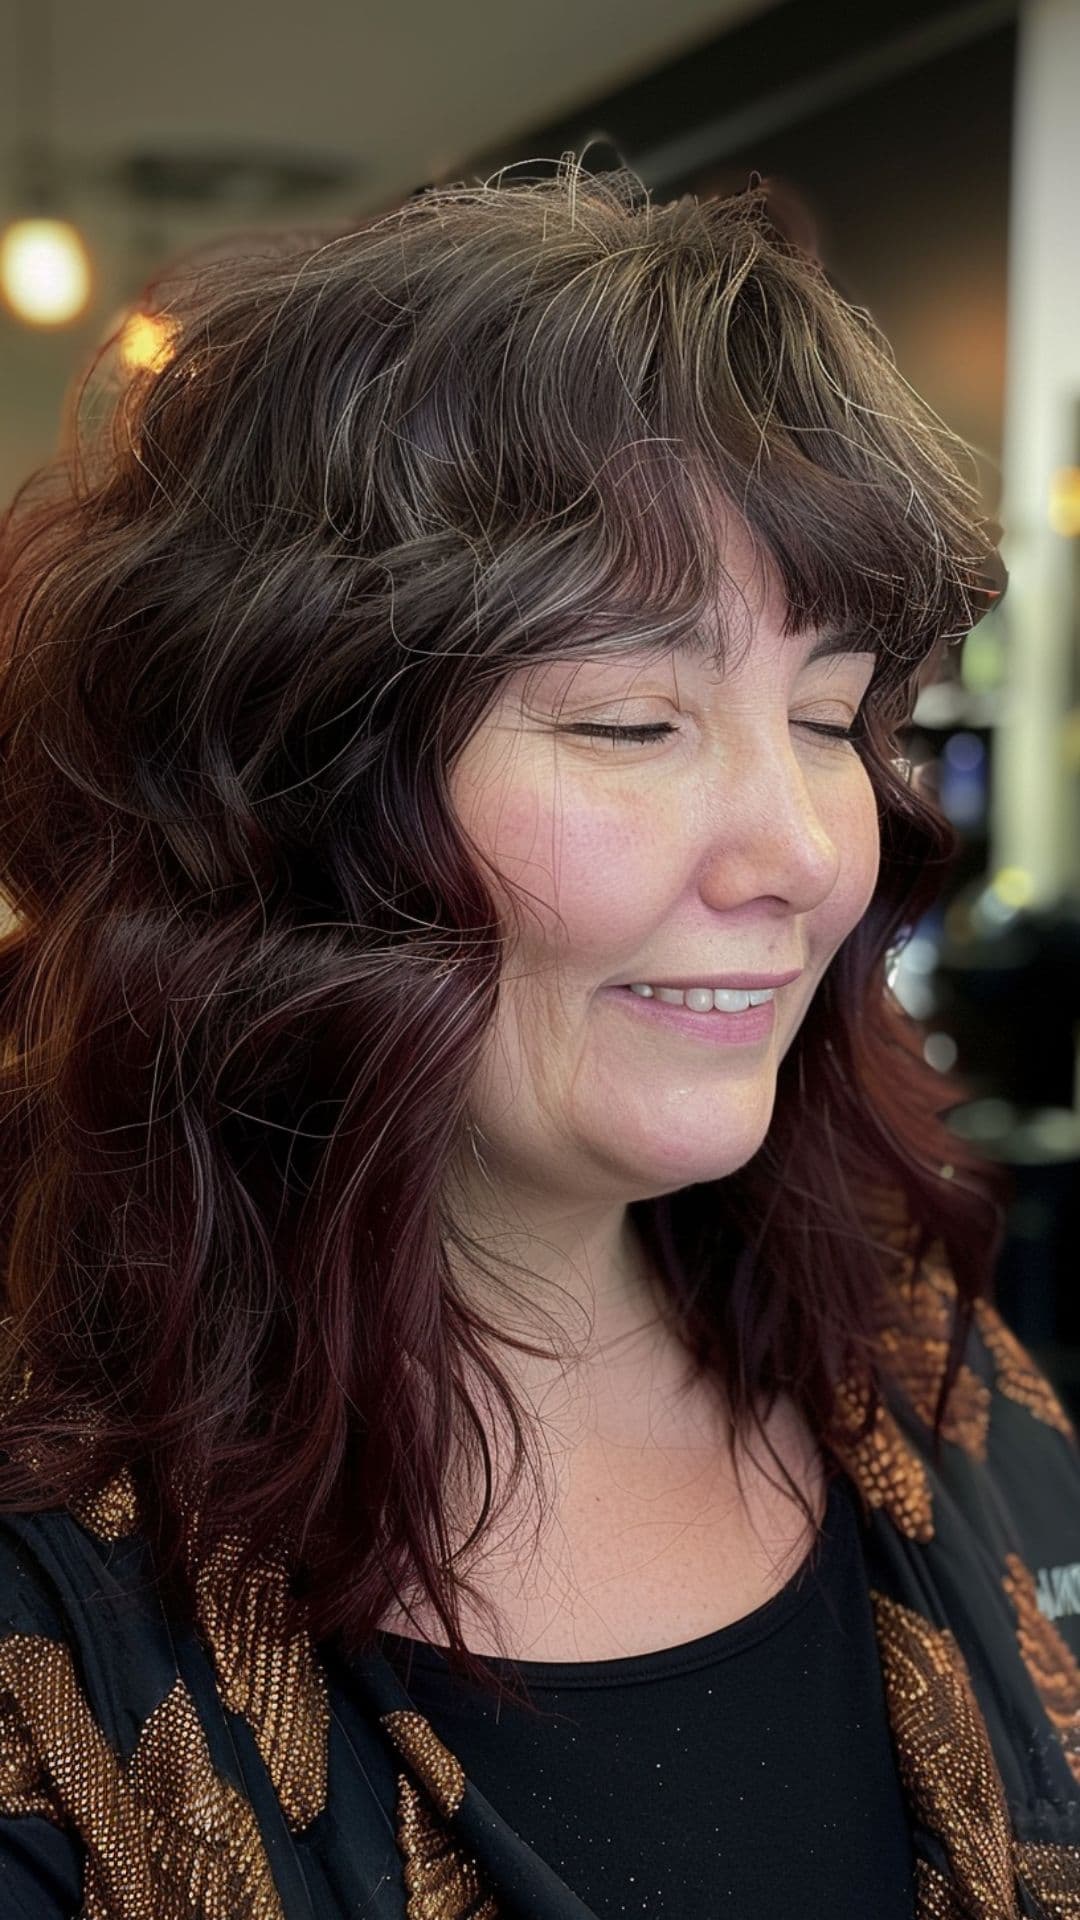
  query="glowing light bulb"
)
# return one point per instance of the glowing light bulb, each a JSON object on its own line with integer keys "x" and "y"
{"x": 44, "y": 271}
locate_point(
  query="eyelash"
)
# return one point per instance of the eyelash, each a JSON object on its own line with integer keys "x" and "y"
{"x": 645, "y": 735}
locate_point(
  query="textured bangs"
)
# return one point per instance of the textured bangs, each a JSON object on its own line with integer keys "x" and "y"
{"x": 604, "y": 379}
{"x": 556, "y": 392}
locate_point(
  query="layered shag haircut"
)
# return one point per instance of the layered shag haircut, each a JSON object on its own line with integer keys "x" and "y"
{"x": 248, "y": 620}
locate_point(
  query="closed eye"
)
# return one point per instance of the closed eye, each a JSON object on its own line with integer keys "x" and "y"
{"x": 654, "y": 730}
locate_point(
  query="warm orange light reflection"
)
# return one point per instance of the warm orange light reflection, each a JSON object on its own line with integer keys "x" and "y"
{"x": 148, "y": 340}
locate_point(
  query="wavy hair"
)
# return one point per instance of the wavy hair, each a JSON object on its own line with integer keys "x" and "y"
{"x": 248, "y": 620}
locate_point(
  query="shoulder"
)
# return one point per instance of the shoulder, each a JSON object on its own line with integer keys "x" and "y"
{"x": 29, "y": 1601}
{"x": 72, "y": 1571}
{"x": 84, "y": 1653}
{"x": 58, "y": 1714}
{"x": 115, "y": 1749}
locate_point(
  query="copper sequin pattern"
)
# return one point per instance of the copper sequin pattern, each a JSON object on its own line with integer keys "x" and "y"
{"x": 166, "y": 1837}
{"x": 1053, "y": 1875}
{"x": 1017, "y": 1378}
{"x": 109, "y": 1511}
{"x": 917, "y": 1365}
{"x": 275, "y": 1682}
{"x": 442, "y": 1881}
{"x": 440, "y": 1771}
{"x": 885, "y": 1468}
{"x": 945, "y": 1758}
{"x": 278, "y": 1684}
{"x": 1048, "y": 1658}
{"x": 936, "y": 1898}
{"x": 914, "y": 1338}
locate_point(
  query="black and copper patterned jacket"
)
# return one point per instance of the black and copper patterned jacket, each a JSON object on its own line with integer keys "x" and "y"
{"x": 230, "y": 1773}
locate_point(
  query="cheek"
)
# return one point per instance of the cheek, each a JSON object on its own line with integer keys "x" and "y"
{"x": 586, "y": 873}
{"x": 593, "y": 877}
{"x": 855, "y": 831}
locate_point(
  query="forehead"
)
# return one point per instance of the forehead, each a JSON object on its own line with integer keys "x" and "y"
{"x": 822, "y": 643}
{"x": 702, "y": 649}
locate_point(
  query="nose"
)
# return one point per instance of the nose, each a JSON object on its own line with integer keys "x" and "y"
{"x": 768, "y": 830}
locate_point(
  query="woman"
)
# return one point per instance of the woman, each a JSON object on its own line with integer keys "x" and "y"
{"x": 491, "y": 1428}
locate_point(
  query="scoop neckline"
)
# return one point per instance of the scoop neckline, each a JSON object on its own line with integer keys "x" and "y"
{"x": 657, "y": 1663}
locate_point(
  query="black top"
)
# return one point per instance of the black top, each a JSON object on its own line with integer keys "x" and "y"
{"x": 747, "y": 1772}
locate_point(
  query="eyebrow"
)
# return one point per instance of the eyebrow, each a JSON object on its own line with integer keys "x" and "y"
{"x": 833, "y": 640}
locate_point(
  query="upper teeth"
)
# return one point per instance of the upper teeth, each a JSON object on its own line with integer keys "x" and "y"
{"x": 701, "y": 999}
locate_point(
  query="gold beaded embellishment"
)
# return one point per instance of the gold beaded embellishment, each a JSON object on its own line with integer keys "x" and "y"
{"x": 883, "y": 1466}
{"x": 917, "y": 1365}
{"x": 915, "y": 1347}
{"x": 439, "y": 1771}
{"x": 1053, "y": 1875}
{"x": 935, "y": 1897}
{"x": 946, "y": 1761}
{"x": 934, "y": 1293}
{"x": 1048, "y": 1658}
{"x": 109, "y": 1511}
{"x": 442, "y": 1881}
{"x": 275, "y": 1682}
{"x": 1018, "y": 1378}
{"x": 166, "y": 1837}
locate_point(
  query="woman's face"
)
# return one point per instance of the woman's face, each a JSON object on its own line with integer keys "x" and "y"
{"x": 739, "y": 840}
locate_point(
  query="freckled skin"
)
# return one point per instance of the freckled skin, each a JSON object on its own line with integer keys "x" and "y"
{"x": 744, "y": 840}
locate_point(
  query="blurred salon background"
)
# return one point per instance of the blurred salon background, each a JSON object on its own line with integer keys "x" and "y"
{"x": 927, "y": 151}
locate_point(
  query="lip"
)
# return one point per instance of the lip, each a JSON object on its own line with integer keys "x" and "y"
{"x": 740, "y": 981}
{"x": 714, "y": 1029}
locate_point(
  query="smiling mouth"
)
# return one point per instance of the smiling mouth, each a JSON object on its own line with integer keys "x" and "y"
{"x": 750, "y": 1023}
{"x": 728, "y": 983}
{"x": 729, "y": 1000}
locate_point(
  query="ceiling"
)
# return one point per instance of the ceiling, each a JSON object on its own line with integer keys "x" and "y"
{"x": 403, "y": 91}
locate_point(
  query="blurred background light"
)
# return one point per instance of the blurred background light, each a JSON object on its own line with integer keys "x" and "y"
{"x": 1065, "y": 501}
{"x": 45, "y": 275}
